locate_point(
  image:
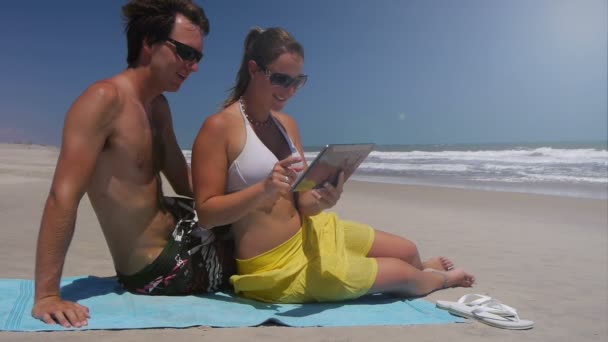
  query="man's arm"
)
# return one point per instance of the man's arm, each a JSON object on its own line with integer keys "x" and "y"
{"x": 175, "y": 167}
{"x": 87, "y": 126}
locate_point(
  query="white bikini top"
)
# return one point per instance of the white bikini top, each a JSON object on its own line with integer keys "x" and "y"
{"x": 255, "y": 161}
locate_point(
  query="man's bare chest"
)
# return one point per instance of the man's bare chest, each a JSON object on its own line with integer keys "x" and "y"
{"x": 136, "y": 142}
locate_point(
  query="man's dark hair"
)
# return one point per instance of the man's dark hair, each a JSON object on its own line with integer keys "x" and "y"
{"x": 154, "y": 19}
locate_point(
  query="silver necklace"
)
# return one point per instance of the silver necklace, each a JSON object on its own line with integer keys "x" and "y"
{"x": 252, "y": 120}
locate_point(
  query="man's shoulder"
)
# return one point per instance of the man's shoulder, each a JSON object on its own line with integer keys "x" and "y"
{"x": 106, "y": 94}
{"x": 99, "y": 104}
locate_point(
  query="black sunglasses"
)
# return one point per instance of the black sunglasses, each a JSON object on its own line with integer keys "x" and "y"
{"x": 186, "y": 52}
{"x": 284, "y": 80}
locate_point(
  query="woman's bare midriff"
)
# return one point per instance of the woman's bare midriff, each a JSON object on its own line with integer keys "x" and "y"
{"x": 265, "y": 228}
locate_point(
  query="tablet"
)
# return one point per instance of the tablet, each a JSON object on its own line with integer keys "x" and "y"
{"x": 329, "y": 162}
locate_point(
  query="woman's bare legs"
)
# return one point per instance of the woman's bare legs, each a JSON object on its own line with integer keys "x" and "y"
{"x": 388, "y": 245}
{"x": 400, "y": 278}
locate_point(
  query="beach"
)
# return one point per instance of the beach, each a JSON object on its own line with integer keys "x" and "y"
{"x": 545, "y": 255}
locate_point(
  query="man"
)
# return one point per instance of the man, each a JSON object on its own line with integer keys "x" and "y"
{"x": 117, "y": 138}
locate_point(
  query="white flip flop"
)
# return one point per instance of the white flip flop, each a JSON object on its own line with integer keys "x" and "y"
{"x": 504, "y": 322}
{"x": 474, "y": 299}
{"x": 486, "y": 310}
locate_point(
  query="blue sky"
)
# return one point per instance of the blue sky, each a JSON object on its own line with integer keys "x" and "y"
{"x": 384, "y": 71}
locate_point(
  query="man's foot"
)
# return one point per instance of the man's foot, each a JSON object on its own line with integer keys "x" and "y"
{"x": 454, "y": 278}
{"x": 438, "y": 263}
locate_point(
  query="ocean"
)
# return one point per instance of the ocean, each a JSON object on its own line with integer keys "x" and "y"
{"x": 562, "y": 169}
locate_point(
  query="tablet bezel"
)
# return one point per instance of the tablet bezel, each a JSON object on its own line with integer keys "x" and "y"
{"x": 366, "y": 148}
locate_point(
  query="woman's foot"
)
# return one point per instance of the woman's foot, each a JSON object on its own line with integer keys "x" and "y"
{"x": 454, "y": 278}
{"x": 438, "y": 263}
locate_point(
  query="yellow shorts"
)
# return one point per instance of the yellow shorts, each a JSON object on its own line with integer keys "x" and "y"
{"x": 325, "y": 261}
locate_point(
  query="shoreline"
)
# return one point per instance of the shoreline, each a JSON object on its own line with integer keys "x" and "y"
{"x": 585, "y": 191}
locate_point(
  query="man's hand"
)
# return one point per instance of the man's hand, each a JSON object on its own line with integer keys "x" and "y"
{"x": 54, "y": 310}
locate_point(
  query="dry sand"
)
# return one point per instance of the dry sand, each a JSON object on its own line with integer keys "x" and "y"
{"x": 544, "y": 255}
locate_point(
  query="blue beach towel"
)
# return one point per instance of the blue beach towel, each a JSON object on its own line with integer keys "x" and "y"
{"x": 113, "y": 308}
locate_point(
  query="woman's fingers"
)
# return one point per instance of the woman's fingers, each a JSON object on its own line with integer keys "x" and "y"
{"x": 284, "y": 174}
{"x": 289, "y": 161}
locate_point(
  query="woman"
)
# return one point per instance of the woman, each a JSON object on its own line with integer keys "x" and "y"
{"x": 288, "y": 249}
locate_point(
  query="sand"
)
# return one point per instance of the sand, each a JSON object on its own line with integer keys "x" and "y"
{"x": 544, "y": 255}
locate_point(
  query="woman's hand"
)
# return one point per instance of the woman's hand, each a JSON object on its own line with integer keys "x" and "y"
{"x": 282, "y": 176}
{"x": 328, "y": 196}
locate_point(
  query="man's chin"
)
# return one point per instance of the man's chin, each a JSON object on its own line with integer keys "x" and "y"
{"x": 174, "y": 85}
{"x": 173, "y": 88}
